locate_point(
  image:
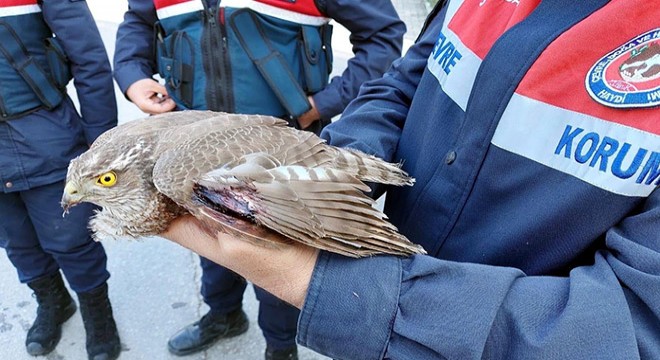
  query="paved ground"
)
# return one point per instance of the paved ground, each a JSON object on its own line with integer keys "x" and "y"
{"x": 154, "y": 286}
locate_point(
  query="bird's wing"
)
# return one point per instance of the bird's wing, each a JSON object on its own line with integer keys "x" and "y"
{"x": 321, "y": 207}
{"x": 177, "y": 169}
{"x": 197, "y": 148}
{"x": 257, "y": 170}
{"x": 308, "y": 150}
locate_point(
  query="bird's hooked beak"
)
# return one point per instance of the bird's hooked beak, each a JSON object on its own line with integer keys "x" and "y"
{"x": 71, "y": 196}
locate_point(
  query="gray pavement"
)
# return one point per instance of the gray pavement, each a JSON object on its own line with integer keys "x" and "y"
{"x": 154, "y": 287}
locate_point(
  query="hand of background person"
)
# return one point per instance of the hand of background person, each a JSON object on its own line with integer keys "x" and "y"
{"x": 150, "y": 96}
{"x": 283, "y": 271}
{"x": 306, "y": 119}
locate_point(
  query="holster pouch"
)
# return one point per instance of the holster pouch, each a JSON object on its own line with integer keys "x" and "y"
{"x": 316, "y": 54}
{"x": 176, "y": 60}
{"x": 46, "y": 92}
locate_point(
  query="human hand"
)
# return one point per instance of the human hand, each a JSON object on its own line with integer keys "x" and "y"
{"x": 283, "y": 271}
{"x": 306, "y": 119}
{"x": 150, "y": 96}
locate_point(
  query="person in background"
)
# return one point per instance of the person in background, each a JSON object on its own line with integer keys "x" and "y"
{"x": 266, "y": 57}
{"x": 43, "y": 45}
{"x": 535, "y": 144}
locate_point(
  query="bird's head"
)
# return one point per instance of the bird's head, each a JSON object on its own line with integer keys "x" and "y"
{"x": 116, "y": 174}
{"x": 110, "y": 174}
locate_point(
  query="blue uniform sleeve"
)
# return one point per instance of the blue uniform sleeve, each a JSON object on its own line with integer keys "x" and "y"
{"x": 134, "y": 57}
{"x": 377, "y": 39}
{"x": 426, "y": 308}
{"x": 73, "y": 24}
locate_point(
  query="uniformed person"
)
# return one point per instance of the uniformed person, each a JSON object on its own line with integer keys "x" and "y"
{"x": 43, "y": 45}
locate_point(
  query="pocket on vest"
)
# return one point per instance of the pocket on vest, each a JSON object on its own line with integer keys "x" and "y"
{"x": 316, "y": 52}
{"x": 176, "y": 59}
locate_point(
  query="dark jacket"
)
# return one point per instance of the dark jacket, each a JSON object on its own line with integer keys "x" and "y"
{"x": 537, "y": 168}
{"x": 36, "y": 148}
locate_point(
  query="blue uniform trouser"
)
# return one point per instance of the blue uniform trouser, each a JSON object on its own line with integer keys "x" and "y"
{"x": 223, "y": 291}
{"x": 39, "y": 241}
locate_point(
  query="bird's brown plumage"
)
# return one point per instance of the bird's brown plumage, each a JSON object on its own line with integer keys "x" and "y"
{"x": 249, "y": 175}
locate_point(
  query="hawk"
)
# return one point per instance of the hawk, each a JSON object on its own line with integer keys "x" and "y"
{"x": 248, "y": 175}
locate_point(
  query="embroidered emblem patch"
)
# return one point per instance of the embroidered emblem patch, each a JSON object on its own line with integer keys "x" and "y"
{"x": 629, "y": 76}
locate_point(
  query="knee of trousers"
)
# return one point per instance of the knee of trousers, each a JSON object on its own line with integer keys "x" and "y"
{"x": 67, "y": 233}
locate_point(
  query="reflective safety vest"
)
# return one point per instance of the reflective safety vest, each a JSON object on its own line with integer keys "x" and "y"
{"x": 34, "y": 69}
{"x": 243, "y": 56}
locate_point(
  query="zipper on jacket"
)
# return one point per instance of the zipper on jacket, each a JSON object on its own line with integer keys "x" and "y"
{"x": 216, "y": 61}
{"x": 225, "y": 63}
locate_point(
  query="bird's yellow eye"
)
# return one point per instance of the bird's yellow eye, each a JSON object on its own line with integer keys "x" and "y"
{"x": 108, "y": 179}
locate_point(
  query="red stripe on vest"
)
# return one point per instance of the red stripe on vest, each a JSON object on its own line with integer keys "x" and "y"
{"x": 307, "y": 7}
{"x": 479, "y": 23}
{"x": 9, "y": 3}
{"x": 159, "y": 4}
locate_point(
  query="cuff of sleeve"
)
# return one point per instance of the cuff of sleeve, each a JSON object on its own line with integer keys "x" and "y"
{"x": 328, "y": 102}
{"x": 350, "y": 306}
{"x": 127, "y": 74}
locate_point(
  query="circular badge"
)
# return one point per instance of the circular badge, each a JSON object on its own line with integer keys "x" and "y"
{"x": 629, "y": 76}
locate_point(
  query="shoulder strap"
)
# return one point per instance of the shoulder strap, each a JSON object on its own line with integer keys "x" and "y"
{"x": 270, "y": 62}
{"x": 17, "y": 56}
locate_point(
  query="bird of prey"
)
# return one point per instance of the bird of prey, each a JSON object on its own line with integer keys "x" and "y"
{"x": 249, "y": 175}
